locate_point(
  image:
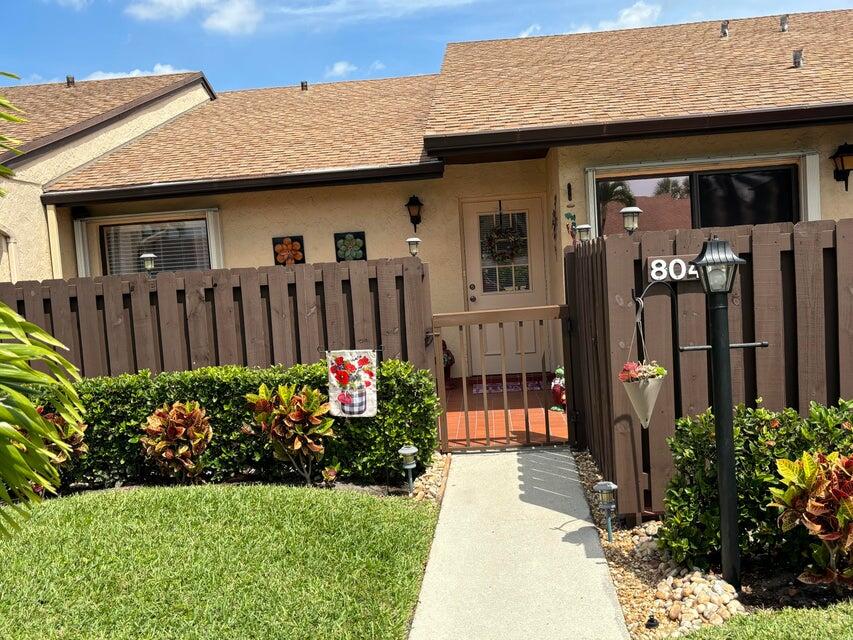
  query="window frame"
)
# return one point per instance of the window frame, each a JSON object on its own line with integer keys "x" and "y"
{"x": 794, "y": 168}
{"x": 84, "y": 226}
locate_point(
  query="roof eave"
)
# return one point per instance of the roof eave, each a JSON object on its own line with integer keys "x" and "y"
{"x": 447, "y": 146}
{"x": 47, "y": 143}
{"x": 357, "y": 175}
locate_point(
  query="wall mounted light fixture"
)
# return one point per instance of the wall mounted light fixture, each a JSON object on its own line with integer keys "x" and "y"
{"x": 414, "y": 207}
{"x": 843, "y": 160}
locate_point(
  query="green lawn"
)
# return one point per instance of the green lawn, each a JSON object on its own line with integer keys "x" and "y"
{"x": 219, "y": 562}
{"x": 834, "y": 622}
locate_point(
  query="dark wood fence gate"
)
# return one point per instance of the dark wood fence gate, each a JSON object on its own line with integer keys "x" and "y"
{"x": 795, "y": 292}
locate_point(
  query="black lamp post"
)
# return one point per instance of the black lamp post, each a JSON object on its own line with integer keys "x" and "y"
{"x": 717, "y": 265}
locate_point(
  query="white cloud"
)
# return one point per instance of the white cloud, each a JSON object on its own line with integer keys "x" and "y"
{"x": 341, "y": 69}
{"x": 639, "y": 14}
{"x": 77, "y": 5}
{"x": 376, "y": 66}
{"x": 332, "y": 12}
{"x": 532, "y": 30}
{"x": 158, "y": 70}
{"x": 233, "y": 17}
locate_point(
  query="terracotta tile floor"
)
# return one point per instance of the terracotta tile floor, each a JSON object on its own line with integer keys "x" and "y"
{"x": 537, "y": 401}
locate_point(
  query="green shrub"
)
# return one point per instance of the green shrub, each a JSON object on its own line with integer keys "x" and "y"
{"x": 365, "y": 448}
{"x": 691, "y": 529}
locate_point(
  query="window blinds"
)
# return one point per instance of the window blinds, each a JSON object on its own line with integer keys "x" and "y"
{"x": 178, "y": 245}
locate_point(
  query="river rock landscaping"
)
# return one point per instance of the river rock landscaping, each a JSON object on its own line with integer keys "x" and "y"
{"x": 659, "y": 599}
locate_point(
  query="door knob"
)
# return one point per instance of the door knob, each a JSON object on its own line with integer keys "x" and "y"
{"x": 473, "y": 298}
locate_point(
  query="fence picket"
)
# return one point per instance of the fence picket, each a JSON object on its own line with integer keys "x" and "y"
{"x": 844, "y": 266}
{"x": 811, "y": 355}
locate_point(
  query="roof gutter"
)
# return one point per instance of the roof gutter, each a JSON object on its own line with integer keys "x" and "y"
{"x": 359, "y": 175}
{"x": 47, "y": 143}
{"x": 543, "y": 137}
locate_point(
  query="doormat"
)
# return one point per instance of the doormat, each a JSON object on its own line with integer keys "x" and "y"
{"x": 497, "y": 387}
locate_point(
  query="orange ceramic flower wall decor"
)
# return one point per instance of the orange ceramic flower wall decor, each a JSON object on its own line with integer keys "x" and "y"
{"x": 288, "y": 250}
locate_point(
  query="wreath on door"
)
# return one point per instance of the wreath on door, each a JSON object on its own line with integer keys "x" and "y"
{"x": 503, "y": 244}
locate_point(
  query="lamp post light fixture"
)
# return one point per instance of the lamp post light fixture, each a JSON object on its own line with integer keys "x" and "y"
{"x": 606, "y": 492}
{"x": 584, "y": 232}
{"x": 148, "y": 261}
{"x": 414, "y": 206}
{"x": 414, "y": 245}
{"x": 717, "y": 265}
{"x": 407, "y": 454}
{"x": 630, "y": 218}
{"x": 843, "y": 161}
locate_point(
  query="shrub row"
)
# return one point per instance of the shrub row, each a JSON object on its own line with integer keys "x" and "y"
{"x": 691, "y": 529}
{"x": 366, "y": 448}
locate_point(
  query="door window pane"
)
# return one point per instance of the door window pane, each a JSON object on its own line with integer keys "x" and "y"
{"x": 665, "y": 201}
{"x": 177, "y": 245}
{"x": 748, "y": 197}
{"x": 504, "y": 249}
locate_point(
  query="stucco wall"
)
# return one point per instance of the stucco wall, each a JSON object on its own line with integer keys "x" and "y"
{"x": 250, "y": 220}
{"x": 835, "y": 202}
{"x": 21, "y": 211}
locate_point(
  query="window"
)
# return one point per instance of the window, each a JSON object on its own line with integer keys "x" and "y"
{"x": 719, "y": 198}
{"x": 504, "y": 252}
{"x": 177, "y": 245}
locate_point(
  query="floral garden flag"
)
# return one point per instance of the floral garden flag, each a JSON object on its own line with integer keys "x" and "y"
{"x": 352, "y": 383}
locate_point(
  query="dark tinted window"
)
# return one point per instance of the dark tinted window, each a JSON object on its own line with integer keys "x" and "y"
{"x": 747, "y": 197}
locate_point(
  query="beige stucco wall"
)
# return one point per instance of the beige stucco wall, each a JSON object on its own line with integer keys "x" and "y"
{"x": 835, "y": 203}
{"x": 250, "y": 220}
{"x": 22, "y": 214}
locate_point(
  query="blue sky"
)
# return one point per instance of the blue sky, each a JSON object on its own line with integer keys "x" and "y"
{"x": 255, "y": 43}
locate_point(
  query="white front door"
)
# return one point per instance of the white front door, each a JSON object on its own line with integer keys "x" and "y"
{"x": 505, "y": 269}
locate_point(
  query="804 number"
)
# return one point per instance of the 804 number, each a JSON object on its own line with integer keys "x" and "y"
{"x": 671, "y": 268}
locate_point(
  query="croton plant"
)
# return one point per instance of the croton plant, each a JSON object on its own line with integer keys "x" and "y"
{"x": 818, "y": 494}
{"x": 176, "y": 436}
{"x": 296, "y": 424}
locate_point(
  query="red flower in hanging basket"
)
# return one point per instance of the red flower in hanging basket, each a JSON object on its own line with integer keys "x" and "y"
{"x": 633, "y": 371}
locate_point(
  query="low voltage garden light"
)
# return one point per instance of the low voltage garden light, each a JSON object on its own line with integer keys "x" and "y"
{"x": 148, "y": 261}
{"x": 584, "y": 232}
{"x": 631, "y": 218}
{"x": 606, "y": 492}
{"x": 407, "y": 454}
{"x": 414, "y": 245}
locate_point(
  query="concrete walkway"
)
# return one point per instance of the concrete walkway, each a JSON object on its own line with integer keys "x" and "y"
{"x": 516, "y": 555}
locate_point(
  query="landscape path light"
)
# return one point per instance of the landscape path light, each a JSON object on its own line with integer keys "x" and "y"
{"x": 584, "y": 232}
{"x": 407, "y": 454}
{"x": 606, "y": 492}
{"x": 148, "y": 261}
{"x": 414, "y": 245}
{"x": 631, "y": 218}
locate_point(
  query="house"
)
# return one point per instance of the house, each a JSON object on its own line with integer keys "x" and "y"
{"x": 68, "y": 125}
{"x": 510, "y": 141}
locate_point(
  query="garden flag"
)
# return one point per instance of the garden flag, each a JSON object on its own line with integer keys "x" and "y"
{"x": 352, "y": 383}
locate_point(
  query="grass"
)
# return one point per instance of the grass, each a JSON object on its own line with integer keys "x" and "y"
{"x": 215, "y": 562}
{"x": 834, "y": 622}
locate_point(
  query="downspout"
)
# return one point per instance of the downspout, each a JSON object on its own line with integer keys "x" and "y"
{"x": 12, "y": 250}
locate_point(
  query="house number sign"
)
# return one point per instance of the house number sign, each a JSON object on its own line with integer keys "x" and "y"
{"x": 671, "y": 269}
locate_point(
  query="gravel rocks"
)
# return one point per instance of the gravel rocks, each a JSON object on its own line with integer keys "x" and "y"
{"x": 649, "y": 584}
{"x": 428, "y": 485}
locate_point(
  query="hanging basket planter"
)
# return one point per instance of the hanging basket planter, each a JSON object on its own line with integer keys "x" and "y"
{"x": 642, "y": 382}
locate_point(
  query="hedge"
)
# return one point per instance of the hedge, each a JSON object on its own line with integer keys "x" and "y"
{"x": 365, "y": 448}
{"x": 691, "y": 527}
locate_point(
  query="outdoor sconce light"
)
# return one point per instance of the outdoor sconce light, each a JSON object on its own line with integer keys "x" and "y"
{"x": 584, "y": 232}
{"x": 606, "y": 492}
{"x": 414, "y": 206}
{"x": 407, "y": 454}
{"x": 148, "y": 261}
{"x": 414, "y": 245}
{"x": 717, "y": 266}
{"x": 843, "y": 160}
{"x": 631, "y": 218}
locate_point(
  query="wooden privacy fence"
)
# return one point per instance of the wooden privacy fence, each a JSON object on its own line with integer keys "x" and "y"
{"x": 795, "y": 292}
{"x": 255, "y": 317}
